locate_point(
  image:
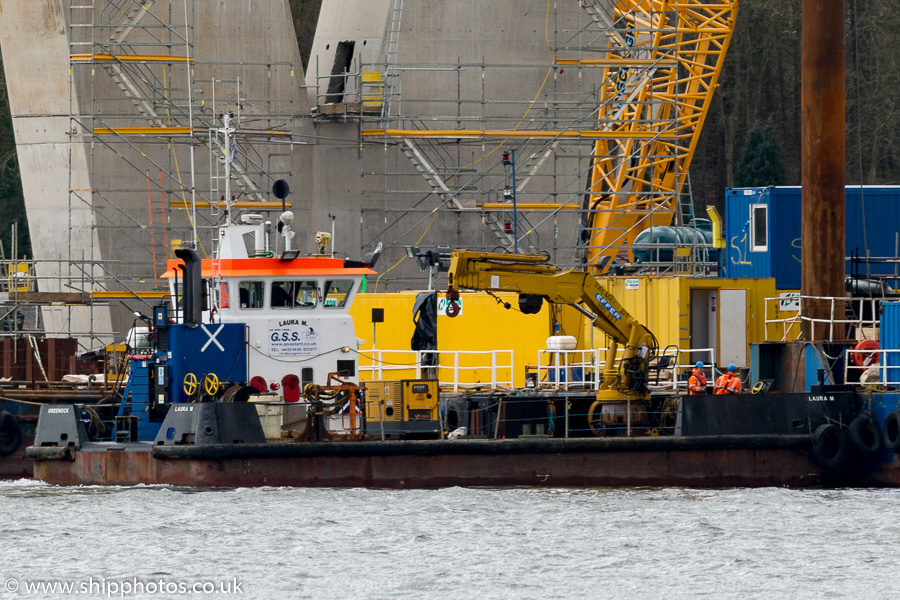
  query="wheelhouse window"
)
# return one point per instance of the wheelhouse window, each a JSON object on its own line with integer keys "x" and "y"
{"x": 759, "y": 227}
{"x": 336, "y": 292}
{"x": 294, "y": 294}
{"x": 251, "y": 294}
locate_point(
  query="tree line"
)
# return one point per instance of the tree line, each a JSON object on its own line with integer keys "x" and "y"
{"x": 754, "y": 119}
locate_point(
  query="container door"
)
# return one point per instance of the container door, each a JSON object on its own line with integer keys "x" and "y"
{"x": 704, "y": 324}
{"x": 733, "y": 327}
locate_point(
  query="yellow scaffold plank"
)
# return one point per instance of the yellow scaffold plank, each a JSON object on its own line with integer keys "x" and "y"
{"x": 128, "y": 295}
{"x": 142, "y": 130}
{"x": 252, "y": 132}
{"x": 239, "y": 204}
{"x": 528, "y": 206}
{"x": 180, "y": 131}
{"x": 592, "y": 134}
{"x": 618, "y": 62}
{"x": 129, "y": 58}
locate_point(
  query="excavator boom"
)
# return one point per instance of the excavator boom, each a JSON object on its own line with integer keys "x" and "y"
{"x": 531, "y": 275}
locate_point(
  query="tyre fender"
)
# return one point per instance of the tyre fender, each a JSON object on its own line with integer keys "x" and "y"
{"x": 829, "y": 446}
{"x": 10, "y": 434}
{"x": 890, "y": 435}
{"x": 864, "y": 434}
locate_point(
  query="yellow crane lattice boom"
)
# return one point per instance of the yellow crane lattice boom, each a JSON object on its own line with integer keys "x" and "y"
{"x": 677, "y": 49}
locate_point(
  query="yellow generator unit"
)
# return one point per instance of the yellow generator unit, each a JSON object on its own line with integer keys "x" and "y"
{"x": 402, "y": 408}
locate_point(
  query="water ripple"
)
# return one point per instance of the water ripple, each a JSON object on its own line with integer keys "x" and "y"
{"x": 477, "y": 543}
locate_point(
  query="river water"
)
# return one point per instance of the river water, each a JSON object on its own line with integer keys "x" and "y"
{"x": 145, "y": 542}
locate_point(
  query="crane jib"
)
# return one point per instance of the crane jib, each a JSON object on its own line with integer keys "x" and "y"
{"x": 609, "y": 308}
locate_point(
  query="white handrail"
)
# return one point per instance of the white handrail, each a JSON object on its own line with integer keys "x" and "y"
{"x": 879, "y": 368}
{"x": 456, "y": 370}
{"x": 560, "y": 369}
{"x": 794, "y": 305}
{"x": 568, "y": 369}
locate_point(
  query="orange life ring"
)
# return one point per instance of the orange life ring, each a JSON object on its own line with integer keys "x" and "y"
{"x": 865, "y": 359}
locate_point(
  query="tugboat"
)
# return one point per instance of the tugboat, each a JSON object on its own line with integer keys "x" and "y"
{"x": 245, "y": 322}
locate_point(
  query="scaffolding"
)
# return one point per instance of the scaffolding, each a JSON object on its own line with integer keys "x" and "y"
{"x": 593, "y": 152}
{"x": 595, "y": 155}
{"x": 145, "y": 153}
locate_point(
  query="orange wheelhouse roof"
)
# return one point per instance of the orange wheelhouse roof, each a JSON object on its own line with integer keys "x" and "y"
{"x": 269, "y": 267}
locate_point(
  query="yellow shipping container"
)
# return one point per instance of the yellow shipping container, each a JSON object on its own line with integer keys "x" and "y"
{"x": 701, "y": 312}
{"x": 482, "y": 327}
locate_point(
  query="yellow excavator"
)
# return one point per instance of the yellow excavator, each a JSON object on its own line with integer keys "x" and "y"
{"x": 623, "y": 395}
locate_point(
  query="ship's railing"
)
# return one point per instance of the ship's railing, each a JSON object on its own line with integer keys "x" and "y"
{"x": 674, "y": 258}
{"x": 684, "y": 363}
{"x": 785, "y": 315}
{"x": 580, "y": 369}
{"x": 455, "y": 370}
{"x": 875, "y": 369}
{"x": 566, "y": 369}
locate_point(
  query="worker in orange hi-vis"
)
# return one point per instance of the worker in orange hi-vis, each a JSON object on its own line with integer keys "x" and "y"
{"x": 697, "y": 380}
{"x": 728, "y": 382}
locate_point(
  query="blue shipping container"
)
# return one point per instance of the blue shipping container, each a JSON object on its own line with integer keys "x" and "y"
{"x": 762, "y": 231}
{"x": 890, "y": 338}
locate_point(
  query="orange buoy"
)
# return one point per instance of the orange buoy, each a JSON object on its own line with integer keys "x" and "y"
{"x": 865, "y": 359}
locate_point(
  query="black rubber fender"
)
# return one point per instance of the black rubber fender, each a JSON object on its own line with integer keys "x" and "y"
{"x": 890, "y": 434}
{"x": 10, "y": 434}
{"x": 454, "y": 420}
{"x": 864, "y": 434}
{"x": 829, "y": 446}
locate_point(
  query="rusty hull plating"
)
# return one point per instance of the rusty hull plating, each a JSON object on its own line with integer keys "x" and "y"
{"x": 708, "y": 462}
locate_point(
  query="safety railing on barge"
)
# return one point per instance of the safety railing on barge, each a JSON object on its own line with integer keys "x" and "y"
{"x": 874, "y": 368}
{"x": 579, "y": 369}
{"x": 785, "y": 316}
{"x": 558, "y": 369}
{"x": 455, "y": 370}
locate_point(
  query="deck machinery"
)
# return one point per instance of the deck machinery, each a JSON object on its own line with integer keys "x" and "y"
{"x": 623, "y": 395}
